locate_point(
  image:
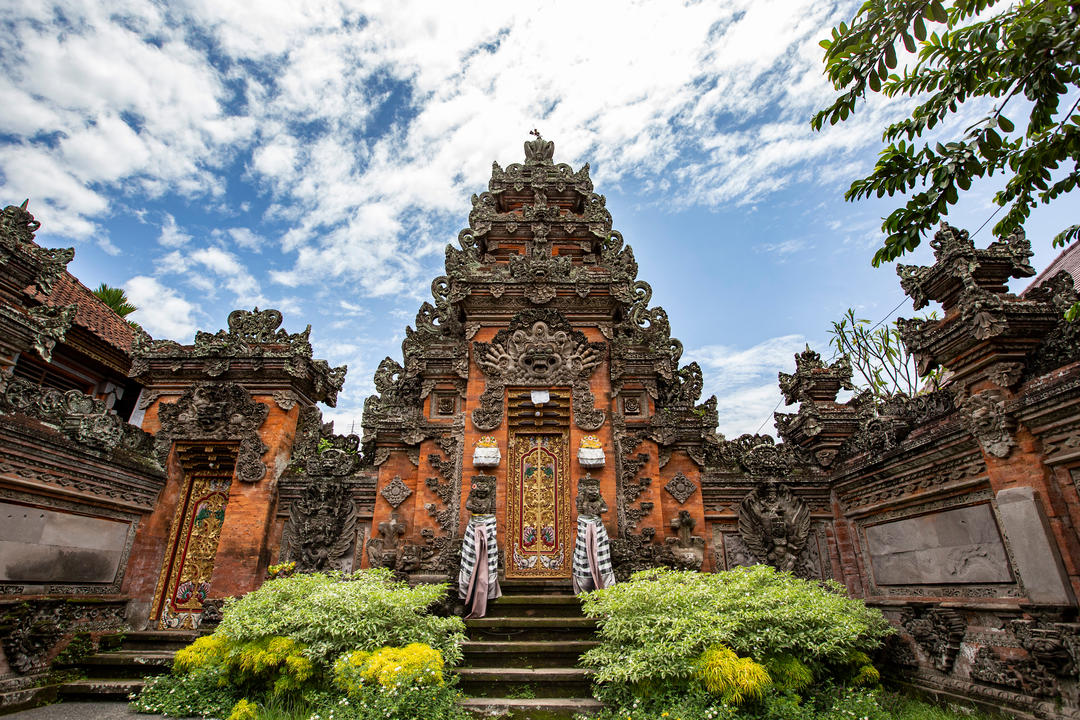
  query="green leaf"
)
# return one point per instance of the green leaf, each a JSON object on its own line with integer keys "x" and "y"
{"x": 1005, "y": 124}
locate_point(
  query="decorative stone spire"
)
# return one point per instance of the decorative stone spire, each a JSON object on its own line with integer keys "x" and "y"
{"x": 986, "y": 332}
{"x": 539, "y": 151}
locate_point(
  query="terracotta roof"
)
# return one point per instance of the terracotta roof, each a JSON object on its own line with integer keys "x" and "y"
{"x": 93, "y": 314}
{"x": 1068, "y": 260}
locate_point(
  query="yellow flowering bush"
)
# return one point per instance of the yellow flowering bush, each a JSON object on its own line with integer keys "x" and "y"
{"x": 207, "y": 651}
{"x": 414, "y": 664}
{"x": 244, "y": 710}
{"x": 736, "y": 680}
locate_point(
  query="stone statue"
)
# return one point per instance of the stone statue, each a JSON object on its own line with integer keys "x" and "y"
{"x": 478, "y": 579}
{"x": 774, "y": 524}
{"x": 592, "y": 550}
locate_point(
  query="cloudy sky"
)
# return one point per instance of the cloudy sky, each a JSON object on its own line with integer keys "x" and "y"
{"x": 317, "y": 157}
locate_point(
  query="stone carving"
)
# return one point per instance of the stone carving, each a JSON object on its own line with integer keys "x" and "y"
{"x": 395, "y": 492}
{"x": 284, "y": 399}
{"x": 386, "y": 550}
{"x": 937, "y": 631}
{"x": 774, "y": 524}
{"x": 1049, "y": 645}
{"x": 481, "y": 500}
{"x": 34, "y": 628}
{"x": 46, "y": 265}
{"x": 681, "y": 488}
{"x": 77, "y": 415}
{"x": 586, "y": 416}
{"x": 1017, "y": 673}
{"x": 49, "y": 325}
{"x": 987, "y": 419}
{"x": 1061, "y": 346}
{"x": 321, "y": 529}
{"x": 687, "y": 549}
{"x": 758, "y": 455}
{"x": 813, "y": 380}
{"x": 218, "y": 411}
{"x": 253, "y": 336}
{"x": 490, "y": 413}
{"x": 539, "y": 348}
{"x": 589, "y": 499}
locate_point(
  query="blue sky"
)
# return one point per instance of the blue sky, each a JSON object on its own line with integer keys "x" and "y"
{"x": 317, "y": 157}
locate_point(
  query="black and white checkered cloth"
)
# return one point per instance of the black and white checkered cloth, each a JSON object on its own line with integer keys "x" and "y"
{"x": 583, "y": 573}
{"x": 486, "y": 525}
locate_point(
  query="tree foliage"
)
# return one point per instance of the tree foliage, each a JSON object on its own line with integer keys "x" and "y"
{"x": 115, "y": 298}
{"x": 880, "y": 357}
{"x": 965, "y": 50}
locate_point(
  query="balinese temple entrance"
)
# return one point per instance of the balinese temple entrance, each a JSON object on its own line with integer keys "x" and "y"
{"x": 538, "y": 363}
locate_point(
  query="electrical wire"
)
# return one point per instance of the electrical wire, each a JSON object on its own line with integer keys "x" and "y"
{"x": 873, "y": 327}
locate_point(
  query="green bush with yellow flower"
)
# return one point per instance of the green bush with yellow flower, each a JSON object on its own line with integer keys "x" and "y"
{"x": 748, "y": 643}
{"x": 323, "y": 645}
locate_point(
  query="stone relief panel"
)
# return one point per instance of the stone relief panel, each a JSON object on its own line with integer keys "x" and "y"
{"x": 955, "y": 546}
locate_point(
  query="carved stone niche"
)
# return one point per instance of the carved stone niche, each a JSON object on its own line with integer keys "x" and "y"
{"x": 216, "y": 411}
{"x": 589, "y": 499}
{"x": 774, "y": 524}
{"x": 481, "y": 500}
{"x": 321, "y": 529}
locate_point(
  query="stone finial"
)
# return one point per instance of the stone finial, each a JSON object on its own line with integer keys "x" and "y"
{"x": 814, "y": 380}
{"x": 539, "y": 151}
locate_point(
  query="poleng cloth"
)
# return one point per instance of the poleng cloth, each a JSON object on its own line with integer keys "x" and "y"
{"x": 478, "y": 579}
{"x": 592, "y": 555}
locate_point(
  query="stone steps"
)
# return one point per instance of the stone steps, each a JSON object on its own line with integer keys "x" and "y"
{"x": 100, "y": 689}
{"x": 126, "y": 658}
{"x": 524, "y": 682}
{"x": 530, "y": 708}
{"x": 524, "y": 653}
{"x": 554, "y": 629}
{"x": 520, "y": 661}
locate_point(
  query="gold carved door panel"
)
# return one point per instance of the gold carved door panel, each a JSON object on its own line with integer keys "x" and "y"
{"x": 193, "y": 539}
{"x": 539, "y": 539}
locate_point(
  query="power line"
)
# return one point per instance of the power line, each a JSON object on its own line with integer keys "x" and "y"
{"x": 874, "y": 326}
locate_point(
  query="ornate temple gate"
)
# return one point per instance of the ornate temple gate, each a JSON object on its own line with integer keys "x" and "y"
{"x": 194, "y": 534}
{"x": 539, "y": 534}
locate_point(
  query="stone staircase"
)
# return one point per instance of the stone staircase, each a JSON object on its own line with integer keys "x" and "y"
{"x": 521, "y": 660}
{"x": 120, "y": 665}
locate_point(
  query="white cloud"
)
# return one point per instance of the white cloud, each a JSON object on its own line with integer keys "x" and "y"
{"x": 245, "y": 238}
{"x": 171, "y": 235}
{"x": 162, "y": 311}
{"x": 705, "y": 103}
{"x": 745, "y": 380}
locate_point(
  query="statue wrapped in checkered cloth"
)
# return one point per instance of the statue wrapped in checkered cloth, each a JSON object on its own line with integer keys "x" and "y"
{"x": 592, "y": 550}
{"x": 478, "y": 579}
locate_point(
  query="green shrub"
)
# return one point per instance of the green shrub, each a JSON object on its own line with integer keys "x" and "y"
{"x": 331, "y": 614}
{"x": 735, "y": 680}
{"x": 655, "y": 627}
